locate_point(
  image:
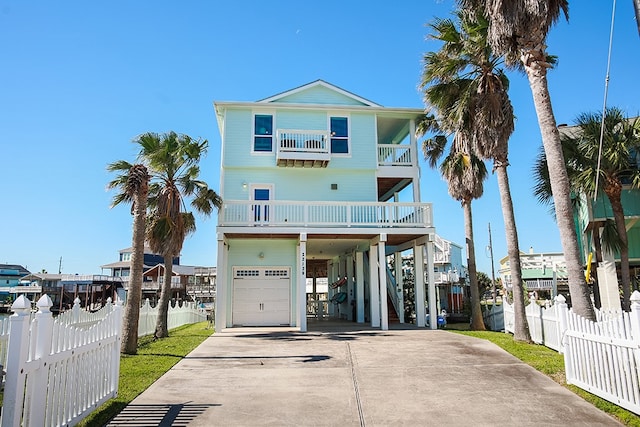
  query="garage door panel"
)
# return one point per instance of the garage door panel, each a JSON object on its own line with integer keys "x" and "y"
{"x": 261, "y": 300}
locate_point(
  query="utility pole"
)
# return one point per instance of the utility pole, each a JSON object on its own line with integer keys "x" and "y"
{"x": 493, "y": 274}
{"x": 60, "y": 266}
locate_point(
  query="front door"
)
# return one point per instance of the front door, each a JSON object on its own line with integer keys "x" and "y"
{"x": 261, "y": 210}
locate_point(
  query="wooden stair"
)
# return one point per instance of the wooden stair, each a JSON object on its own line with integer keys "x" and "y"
{"x": 391, "y": 311}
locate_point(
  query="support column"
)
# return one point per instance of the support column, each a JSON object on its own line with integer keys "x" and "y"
{"x": 382, "y": 269}
{"x": 301, "y": 319}
{"x": 350, "y": 291}
{"x": 360, "y": 287}
{"x": 374, "y": 287}
{"x": 222, "y": 285}
{"x": 418, "y": 265}
{"x": 399, "y": 284}
{"x": 433, "y": 298}
{"x": 332, "y": 274}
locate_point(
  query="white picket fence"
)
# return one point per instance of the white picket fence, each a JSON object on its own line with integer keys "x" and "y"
{"x": 60, "y": 369}
{"x": 601, "y": 357}
{"x": 58, "y": 373}
{"x": 493, "y": 317}
{"x": 178, "y": 315}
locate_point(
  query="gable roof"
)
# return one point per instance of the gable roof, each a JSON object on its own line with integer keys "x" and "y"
{"x": 320, "y": 84}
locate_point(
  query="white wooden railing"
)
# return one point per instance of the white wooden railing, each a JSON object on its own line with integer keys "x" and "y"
{"x": 395, "y": 155}
{"x": 325, "y": 214}
{"x": 21, "y": 289}
{"x": 309, "y": 141}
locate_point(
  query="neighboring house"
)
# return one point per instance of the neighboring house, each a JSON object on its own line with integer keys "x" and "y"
{"x": 189, "y": 282}
{"x": 590, "y": 216}
{"x": 543, "y": 274}
{"x": 63, "y": 289}
{"x": 10, "y": 275}
{"x": 122, "y": 267}
{"x": 451, "y": 276}
{"x": 318, "y": 183}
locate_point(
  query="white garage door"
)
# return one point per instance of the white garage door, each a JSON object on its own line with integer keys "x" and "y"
{"x": 261, "y": 296}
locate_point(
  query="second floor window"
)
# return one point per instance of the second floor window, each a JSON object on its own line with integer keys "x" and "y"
{"x": 339, "y": 135}
{"x": 263, "y": 133}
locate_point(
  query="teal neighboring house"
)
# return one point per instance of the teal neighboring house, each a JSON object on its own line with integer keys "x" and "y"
{"x": 590, "y": 217}
{"x": 319, "y": 184}
{"x": 10, "y": 275}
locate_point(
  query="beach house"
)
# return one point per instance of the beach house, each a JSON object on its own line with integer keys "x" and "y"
{"x": 319, "y": 183}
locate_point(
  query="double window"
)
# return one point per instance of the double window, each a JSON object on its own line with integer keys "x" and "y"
{"x": 263, "y": 133}
{"x": 339, "y": 135}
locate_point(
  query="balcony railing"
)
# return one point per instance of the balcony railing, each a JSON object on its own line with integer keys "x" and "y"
{"x": 446, "y": 277}
{"x": 155, "y": 285}
{"x": 395, "y": 155}
{"x": 325, "y": 214}
{"x": 302, "y": 147}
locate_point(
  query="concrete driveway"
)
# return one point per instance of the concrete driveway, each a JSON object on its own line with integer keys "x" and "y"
{"x": 336, "y": 375}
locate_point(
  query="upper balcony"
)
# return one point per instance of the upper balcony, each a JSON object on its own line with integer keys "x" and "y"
{"x": 302, "y": 148}
{"x": 243, "y": 213}
{"x": 312, "y": 148}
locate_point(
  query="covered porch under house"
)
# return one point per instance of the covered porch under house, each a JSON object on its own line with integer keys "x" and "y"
{"x": 354, "y": 275}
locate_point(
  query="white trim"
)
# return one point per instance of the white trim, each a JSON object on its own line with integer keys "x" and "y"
{"x": 258, "y": 112}
{"x": 407, "y": 112}
{"x": 323, "y": 84}
{"x": 330, "y": 115}
{"x": 261, "y": 186}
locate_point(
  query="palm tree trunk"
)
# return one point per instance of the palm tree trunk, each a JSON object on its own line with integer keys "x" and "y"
{"x": 477, "y": 322}
{"x": 578, "y": 288}
{"x": 597, "y": 245}
{"x": 162, "y": 329}
{"x": 520, "y": 327}
{"x": 625, "y": 274}
{"x": 131, "y": 318}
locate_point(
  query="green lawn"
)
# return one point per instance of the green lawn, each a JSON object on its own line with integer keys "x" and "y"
{"x": 139, "y": 371}
{"x": 551, "y": 363}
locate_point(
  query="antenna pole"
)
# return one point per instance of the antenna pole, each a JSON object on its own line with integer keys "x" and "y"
{"x": 604, "y": 106}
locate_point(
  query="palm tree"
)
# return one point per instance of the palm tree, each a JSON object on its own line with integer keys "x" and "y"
{"x": 464, "y": 173}
{"x": 518, "y": 30}
{"x": 463, "y": 81}
{"x": 616, "y": 167}
{"x": 133, "y": 182}
{"x": 172, "y": 160}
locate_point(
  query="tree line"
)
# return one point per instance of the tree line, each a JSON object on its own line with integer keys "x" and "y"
{"x": 469, "y": 114}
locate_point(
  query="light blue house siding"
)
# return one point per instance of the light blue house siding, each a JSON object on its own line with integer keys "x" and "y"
{"x": 354, "y": 174}
{"x": 259, "y": 253}
{"x": 239, "y": 129}
{"x": 319, "y": 95}
{"x": 319, "y": 209}
{"x": 302, "y": 184}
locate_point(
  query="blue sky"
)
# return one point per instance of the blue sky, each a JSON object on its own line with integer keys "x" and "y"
{"x": 79, "y": 80}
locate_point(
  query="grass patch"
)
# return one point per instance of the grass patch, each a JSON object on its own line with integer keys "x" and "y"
{"x": 550, "y": 363}
{"x": 138, "y": 372}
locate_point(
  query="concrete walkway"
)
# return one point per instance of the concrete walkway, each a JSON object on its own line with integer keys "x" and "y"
{"x": 338, "y": 376}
